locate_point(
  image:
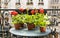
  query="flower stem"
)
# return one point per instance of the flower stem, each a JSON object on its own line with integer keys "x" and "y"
{"x": 27, "y": 11}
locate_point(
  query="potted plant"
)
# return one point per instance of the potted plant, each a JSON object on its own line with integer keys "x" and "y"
{"x": 30, "y": 22}
{"x": 21, "y": 10}
{"x": 43, "y": 22}
{"x": 28, "y": 19}
{"x": 43, "y": 26}
{"x": 17, "y": 21}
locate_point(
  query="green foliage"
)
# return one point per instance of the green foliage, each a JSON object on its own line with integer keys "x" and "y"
{"x": 17, "y": 19}
{"x": 37, "y": 19}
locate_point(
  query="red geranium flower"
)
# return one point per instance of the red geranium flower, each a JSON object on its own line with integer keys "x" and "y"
{"x": 36, "y": 11}
{"x": 32, "y": 12}
{"x": 41, "y": 10}
{"x": 14, "y": 13}
{"x": 21, "y": 9}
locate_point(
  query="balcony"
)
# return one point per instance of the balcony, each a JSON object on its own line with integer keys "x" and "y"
{"x": 5, "y": 26}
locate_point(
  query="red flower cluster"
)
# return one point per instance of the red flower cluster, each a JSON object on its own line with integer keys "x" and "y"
{"x": 14, "y": 13}
{"x": 41, "y": 10}
{"x": 21, "y": 9}
{"x": 32, "y": 12}
{"x": 36, "y": 11}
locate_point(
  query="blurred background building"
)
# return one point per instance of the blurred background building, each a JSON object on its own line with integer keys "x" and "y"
{"x": 31, "y": 4}
{"x": 54, "y": 4}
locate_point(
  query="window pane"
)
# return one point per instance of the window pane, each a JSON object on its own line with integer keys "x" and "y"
{"x": 39, "y": 0}
{"x": 42, "y": 0}
{"x": 30, "y": 0}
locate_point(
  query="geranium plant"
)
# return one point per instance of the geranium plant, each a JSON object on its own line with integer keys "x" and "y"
{"x": 30, "y": 21}
{"x": 14, "y": 13}
{"x": 43, "y": 22}
{"x": 18, "y": 21}
{"x": 21, "y": 10}
{"x": 36, "y": 19}
{"x": 41, "y": 10}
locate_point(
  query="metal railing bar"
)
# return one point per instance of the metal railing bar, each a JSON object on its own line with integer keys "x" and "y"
{"x": 18, "y": 9}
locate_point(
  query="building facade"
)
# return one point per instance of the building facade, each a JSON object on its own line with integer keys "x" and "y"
{"x": 31, "y": 4}
{"x": 54, "y": 4}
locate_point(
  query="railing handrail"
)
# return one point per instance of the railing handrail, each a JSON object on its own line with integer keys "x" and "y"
{"x": 18, "y": 9}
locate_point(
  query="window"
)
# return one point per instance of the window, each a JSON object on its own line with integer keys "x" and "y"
{"x": 17, "y": 2}
{"x": 40, "y": 2}
{"x": 55, "y": 7}
{"x": 6, "y": 1}
{"x": 52, "y": 6}
{"x": 29, "y": 2}
{"x": 57, "y": 1}
{"x": 54, "y": 1}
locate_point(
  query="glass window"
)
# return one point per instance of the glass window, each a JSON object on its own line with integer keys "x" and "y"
{"x": 6, "y": 1}
{"x": 30, "y": 2}
{"x": 57, "y": 7}
{"x": 52, "y": 1}
{"x": 52, "y": 6}
{"x": 17, "y": 3}
{"x": 55, "y": 0}
{"x": 41, "y": 2}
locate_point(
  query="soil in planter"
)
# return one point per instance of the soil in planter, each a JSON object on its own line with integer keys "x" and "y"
{"x": 42, "y": 29}
{"x": 22, "y": 25}
{"x": 30, "y": 26}
{"x": 18, "y": 26}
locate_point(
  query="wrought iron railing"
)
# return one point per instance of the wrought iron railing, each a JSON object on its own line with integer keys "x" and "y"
{"x": 50, "y": 12}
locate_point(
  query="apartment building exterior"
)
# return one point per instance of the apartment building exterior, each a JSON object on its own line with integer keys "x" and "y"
{"x": 54, "y": 4}
{"x": 13, "y": 4}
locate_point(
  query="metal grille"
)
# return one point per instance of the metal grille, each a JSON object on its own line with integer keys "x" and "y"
{"x": 5, "y": 25}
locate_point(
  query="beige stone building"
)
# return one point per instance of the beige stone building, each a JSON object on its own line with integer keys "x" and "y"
{"x": 55, "y": 4}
